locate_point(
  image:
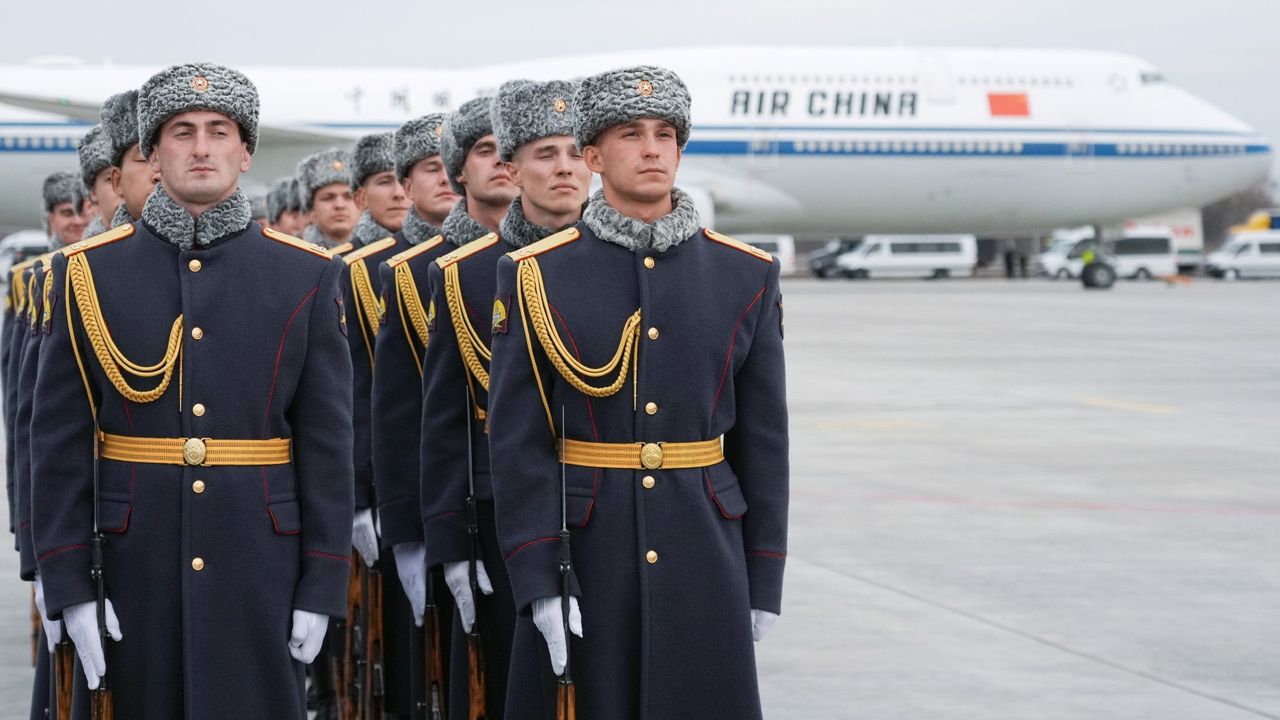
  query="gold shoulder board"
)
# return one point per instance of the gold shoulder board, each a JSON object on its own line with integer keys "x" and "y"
{"x": 467, "y": 250}
{"x": 280, "y": 237}
{"x": 405, "y": 256}
{"x": 97, "y": 241}
{"x": 739, "y": 245}
{"x": 370, "y": 249}
{"x": 551, "y": 242}
{"x": 340, "y": 250}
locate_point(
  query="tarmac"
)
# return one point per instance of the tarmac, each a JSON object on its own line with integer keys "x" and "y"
{"x": 1010, "y": 499}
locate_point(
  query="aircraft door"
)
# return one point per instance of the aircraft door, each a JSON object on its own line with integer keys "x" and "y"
{"x": 762, "y": 150}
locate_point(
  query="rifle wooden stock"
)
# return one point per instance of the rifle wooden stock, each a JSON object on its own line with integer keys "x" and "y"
{"x": 64, "y": 675}
{"x": 566, "y": 700}
{"x": 351, "y": 690}
{"x": 375, "y": 681}
{"x": 475, "y": 676}
{"x": 434, "y": 655}
{"x": 100, "y": 705}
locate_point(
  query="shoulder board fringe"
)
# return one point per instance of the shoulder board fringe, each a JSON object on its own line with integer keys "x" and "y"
{"x": 467, "y": 250}
{"x": 280, "y": 237}
{"x": 98, "y": 241}
{"x": 405, "y": 256}
{"x": 551, "y": 242}
{"x": 373, "y": 247}
{"x": 739, "y": 245}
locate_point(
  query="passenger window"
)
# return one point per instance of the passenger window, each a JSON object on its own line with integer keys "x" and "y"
{"x": 1269, "y": 248}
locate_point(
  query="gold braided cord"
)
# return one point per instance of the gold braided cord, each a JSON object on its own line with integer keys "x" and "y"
{"x": 45, "y": 293}
{"x": 366, "y": 304}
{"x": 31, "y": 293}
{"x": 470, "y": 345}
{"x": 534, "y": 294}
{"x": 85, "y": 294}
{"x": 533, "y": 361}
{"x": 19, "y": 294}
{"x": 411, "y": 312}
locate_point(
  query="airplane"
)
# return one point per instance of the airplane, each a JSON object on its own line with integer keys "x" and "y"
{"x": 785, "y": 139}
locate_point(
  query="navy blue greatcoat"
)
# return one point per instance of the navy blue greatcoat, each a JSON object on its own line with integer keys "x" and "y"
{"x": 204, "y": 565}
{"x": 668, "y": 563}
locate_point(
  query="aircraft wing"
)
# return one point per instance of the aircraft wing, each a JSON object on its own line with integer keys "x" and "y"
{"x": 88, "y": 112}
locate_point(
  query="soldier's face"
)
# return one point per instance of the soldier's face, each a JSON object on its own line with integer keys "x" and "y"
{"x": 291, "y": 222}
{"x": 66, "y": 224}
{"x": 134, "y": 180}
{"x": 551, "y": 175}
{"x": 200, "y": 157}
{"x": 104, "y": 195}
{"x": 333, "y": 210}
{"x": 385, "y": 199}
{"x": 427, "y": 186}
{"x": 485, "y": 175}
{"x": 637, "y": 161}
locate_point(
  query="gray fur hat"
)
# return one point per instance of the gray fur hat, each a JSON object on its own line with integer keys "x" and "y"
{"x": 371, "y": 155}
{"x": 283, "y": 197}
{"x": 319, "y": 169}
{"x": 417, "y": 139}
{"x": 524, "y": 111}
{"x": 94, "y": 150}
{"x": 257, "y": 206}
{"x": 463, "y": 128}
{"x": 63, "y": 187}
{"x": 197, "y": 86}
{"x": 119, "y": 116}
{"x": 627, "y": 94}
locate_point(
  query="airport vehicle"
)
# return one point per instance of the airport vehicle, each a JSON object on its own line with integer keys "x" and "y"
{"x": 1187, "y": 228}
{"x": 19, "y": 246}
{"x": 782, "y": 247}
{"x": 994, "y": 141}
{"x": 1143, "y": 253}
{"x": 822, "y": 262}
{"x": 1247, "y": 254}
{"x": 911, "y": 256}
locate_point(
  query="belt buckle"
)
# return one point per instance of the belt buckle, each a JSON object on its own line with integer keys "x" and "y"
{"x": 651, "y": 456}
{"x": 193, "y": 451}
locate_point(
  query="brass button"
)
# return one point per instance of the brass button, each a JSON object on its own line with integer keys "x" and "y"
{"x": 196, "y": 333}
{"x": 197, "y": 410}
{"x": 651, "y": 556}
{"x": 197, "y": 564}
{"x": 648, "y": 262}
{"x": 651, "y": 456}
{"x": 194, "y": 266}
{"x": 197, "y": 487}
{"x": 193, "y": 451}
{"x": 648, "y": 482}
{"x": 653, "y": 333}
{"x": 651, "y": 408}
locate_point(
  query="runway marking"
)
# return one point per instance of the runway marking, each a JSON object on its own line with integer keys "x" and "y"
{"x": 1150, "y": 408}
{"x": 1027, "y": 635}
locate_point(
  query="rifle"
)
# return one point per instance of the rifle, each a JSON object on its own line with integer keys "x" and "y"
{"x": 375, "y": 683}
{"x": 353, "y": 664}
{"x": 566, "y": 693}
{"x": 434, "y": 655}
{"x": 475, "y": 651}
{"x": 100, "y": 703}
{"x": 64, "y": 673}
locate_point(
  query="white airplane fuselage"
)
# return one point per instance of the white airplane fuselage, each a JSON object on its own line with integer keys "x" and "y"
{"x": 795, "y": 140}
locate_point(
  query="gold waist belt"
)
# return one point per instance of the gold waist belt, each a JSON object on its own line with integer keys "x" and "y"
{"x": 205, "y": 452}
{"x": 642, "y": 456}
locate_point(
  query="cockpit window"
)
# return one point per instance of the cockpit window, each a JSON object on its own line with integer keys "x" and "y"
{"x": 1153, "y": 77}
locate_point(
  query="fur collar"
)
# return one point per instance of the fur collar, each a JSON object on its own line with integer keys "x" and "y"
{"x": 518, "y": 231}
{"x": 121, "y": 217}
{"x": 665, "y": 233}
{"x": 416, "y": 230}
{"x": 460, "y": 228}
{"x": 368, "y": 230}
{"x": 164, "y": 216}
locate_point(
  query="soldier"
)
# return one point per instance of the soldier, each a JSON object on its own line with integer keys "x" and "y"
{"x": 216, "y": 392}
{"x": 63, "y": 200}
{"x": 324, "y": 180}
{"x": 132, "y": 177}
{"x": 397, "y": 380}
{"x": 377, "y": 191}
{"x": 533, "y": 131}
{"x": 671, "y": 432}
{"x": 94, "y": 150}
{"x": 475, "y": 172}
{"x": 258, "y": 209}
{"x": 284, "y": 207}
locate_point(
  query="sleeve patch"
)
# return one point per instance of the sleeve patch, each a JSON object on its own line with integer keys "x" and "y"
{"x": 431, "y": 316}
{"x": 342, "y": 316}
{"x": 500, "y": 309}
{"x": 781, "y": 323}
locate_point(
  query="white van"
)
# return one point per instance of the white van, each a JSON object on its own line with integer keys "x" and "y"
{"x": 1253, "y": 253}
{"x": 1144, "y": 253}
{"x": 782, "y": 247}
{"x": 911, "y": 256}
{"x": 1065, "y": 257}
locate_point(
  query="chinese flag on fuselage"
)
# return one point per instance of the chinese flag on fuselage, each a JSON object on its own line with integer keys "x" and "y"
{"x": 1009, "y": 104}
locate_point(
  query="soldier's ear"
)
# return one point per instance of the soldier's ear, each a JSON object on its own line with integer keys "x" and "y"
{"x": 246, "y": 159}
{"x": 361, "y": 198}
{"x": 591, "y": 156}
{"x": 514, "y": 171}
{"x": 117, "y": 181}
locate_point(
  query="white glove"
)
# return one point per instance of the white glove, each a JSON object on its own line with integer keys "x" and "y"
{"x": 82, "y": 626}
{"x": 52, "y": 628}
{"x": 364, "y": 536}
{"x": 548, "y": 615}
{"x": 458, "y": 577}
{"x": 761, "y": 621}
{"x": 411, "y": 565}
{"x": 307, "y": 635}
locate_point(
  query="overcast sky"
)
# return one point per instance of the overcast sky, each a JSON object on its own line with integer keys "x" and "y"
{"x": 1226, "y": 51}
